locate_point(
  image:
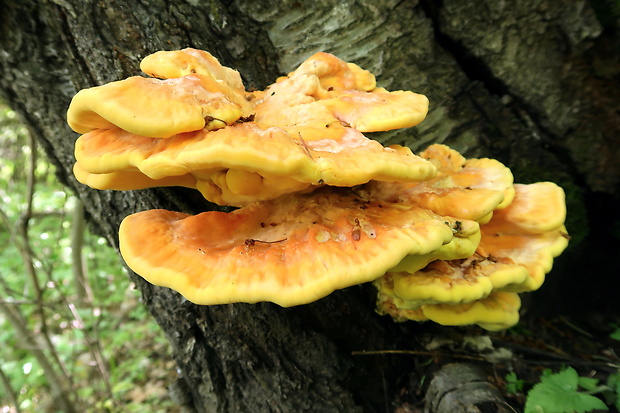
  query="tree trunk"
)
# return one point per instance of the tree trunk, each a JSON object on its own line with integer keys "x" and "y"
{"x": 532, "y": 83}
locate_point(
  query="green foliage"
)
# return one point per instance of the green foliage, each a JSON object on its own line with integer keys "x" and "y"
{"x": 613, "y": 390}
{"x": 514, "y": 385}
{"x": 114, "y": 354}
{"x": 564, "y": 392}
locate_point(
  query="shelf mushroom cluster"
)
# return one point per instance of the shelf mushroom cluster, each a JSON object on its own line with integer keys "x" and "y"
{"x": 475, "y": 279}
{"x": 322, "y": 207}
{"x": 199, "y": 128}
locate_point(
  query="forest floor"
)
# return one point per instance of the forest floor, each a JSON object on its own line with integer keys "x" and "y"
{"x": 510, "y": 362}
{"x": 515, "y": 360}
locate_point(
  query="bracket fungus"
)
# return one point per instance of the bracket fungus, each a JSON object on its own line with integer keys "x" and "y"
{"x": 245, "y": 162}
{"x": 465, "y": 188}
{"x": 291, "y": 251}
{"x": 325, "y": 91}
{"x": 322, "y": 207}
{"x": 515, "y": 250}
{"x": 179, "y": 63}
{"x": 158, "y": 108}
{"x": 294, "y": 137}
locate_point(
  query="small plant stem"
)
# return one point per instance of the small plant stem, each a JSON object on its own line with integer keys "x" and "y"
{"x": 55, "y": 382}
{"x": 576, "y": 328}
{"x": 414, "y": 353}
{"x": 95, "y": 351}
{"x": 77, "y": 262}
{"x": 6, "y": 384}
{"x": 28, "y": 259}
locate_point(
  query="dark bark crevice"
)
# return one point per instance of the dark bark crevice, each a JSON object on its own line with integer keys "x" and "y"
{"x": 479, "y": 72}
{"x": 473, "y": 67}
{"x": 536, "y": 149}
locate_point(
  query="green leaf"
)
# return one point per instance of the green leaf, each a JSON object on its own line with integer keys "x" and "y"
{"x": 616, "y": 334}
{"x": 614, "y": 383}
{"x": 558, "y": 393}
{"x": 588, "y": 383}
{"x": 514, "y": 385}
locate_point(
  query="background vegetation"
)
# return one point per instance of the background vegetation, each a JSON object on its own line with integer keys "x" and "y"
{"x": 73, "y": 334}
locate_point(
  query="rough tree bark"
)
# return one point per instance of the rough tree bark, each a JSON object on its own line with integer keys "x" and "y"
{"x": 530, "y": 82}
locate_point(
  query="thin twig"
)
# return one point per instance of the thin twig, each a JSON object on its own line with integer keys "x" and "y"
{"x": 415, "y": 353}
{"x": 77, "y": 243}
{"x": 576, "y": 328}
{"x": 19, "y": 323}
{"x": 17, "y": 302}
{"x": 555, "y": 360}
{"x": 27, "y": 255}
{"x": 95, "y": 351}
{"x": 21, "y": 242}
{"x": 6, "y": 384}
{"x": 610, "y": 367}
{"x": 84, "y": 294}
{"x": 304, "y": 145}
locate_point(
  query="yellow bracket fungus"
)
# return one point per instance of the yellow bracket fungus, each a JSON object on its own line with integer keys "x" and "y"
{"x": 291, "y": 251}
{"x": 157, "y": 108}
{"x": 179, "y": 63}
{"x": 442, "y": 237}
{"x": 270, "y": 159}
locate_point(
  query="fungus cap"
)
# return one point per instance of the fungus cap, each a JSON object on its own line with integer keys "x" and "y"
{"x": 463, "y": 245}
{"x": 179, "y": 63}
{"x": 464, "y": 188}
{"x": 129, "y": 180}
{"x": 334, "y": 73}
{"x": 386, "y": 305}
{"x": 245, "y": 162}
{"x": 239, "y": 187}
{"x": 529, "y": 231}
{"x": 157, "y": 108}
{"x": 243, "y": 145}
{"x": 535, "y": 252}
{"x": 457, "y": 171}
{"x": 364, "y": 111}
{"x": 324, "y": 90}
{"x": 290, "y": 251}
{"x": 498, "y": 311}
{"x": 538, "y": 208}
{"x": 456, "y": 281}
